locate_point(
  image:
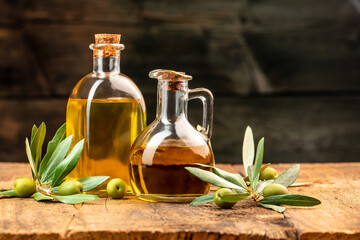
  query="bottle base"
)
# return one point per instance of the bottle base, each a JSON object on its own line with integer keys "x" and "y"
{"x": 183, "y": 198}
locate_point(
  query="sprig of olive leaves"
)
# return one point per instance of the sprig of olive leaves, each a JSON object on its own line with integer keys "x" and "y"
{"x": 251, "y": 187}
{"x": 51, "y": 170}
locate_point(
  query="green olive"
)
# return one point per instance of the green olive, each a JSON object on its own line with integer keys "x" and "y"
{"x": 274, "y": 189}
{"x": 268, "y": 173}
{"x": 116, "y": 188}
{"x": 24, "y": 187}
{"x": 218, "y": 201}
{"x": 70, "y": 187}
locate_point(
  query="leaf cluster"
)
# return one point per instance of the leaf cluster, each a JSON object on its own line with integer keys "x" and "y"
{"x": 251, "y": 187}
{"x": 51, "y": 170}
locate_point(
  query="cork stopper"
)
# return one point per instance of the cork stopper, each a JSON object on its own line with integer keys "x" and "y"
{"x": 170, "y": 75}
{"x": 107, "y": 50}
{"x": 104, "y": 38}
{"x": 175, "y": 79}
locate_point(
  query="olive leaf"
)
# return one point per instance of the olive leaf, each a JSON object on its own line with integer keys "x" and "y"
{"x": 248, "y": 150}
{"x": 90, "y": 183}
{"x": 231, "y": 177}
{"x": 261, "y": 169}
{"x": 30, "y": 158}
{"x": 36, "y": 144}
{"x": 289, "y": 176}
{"x": 276, "y": 208}
{"x": 300, "y": 184}
{"x": 258, "y": 163}
{"x": 56, "y": 158}
{"x": 9, "y": 192}
{"x": 212, "y": 178}
{"x": 41, "y": 197}
{"x": 233, "y": 197}
{"x": 262, "y": 184}
{"x": 203, "y": 199}
{"x": 291, "y": 200}
{"x": 75, "y": 198}
{"x": 68, "y": 164}
{"x": 251, "y": 174}
{"x": 52, "y": 145}
{"x": 33, "y": 132}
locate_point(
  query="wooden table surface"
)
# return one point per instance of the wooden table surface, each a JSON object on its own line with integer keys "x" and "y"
{"x": 337, "y": 185}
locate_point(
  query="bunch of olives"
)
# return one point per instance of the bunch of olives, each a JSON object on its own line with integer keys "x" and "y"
{"x": 25, "y": 187}
{"x": 272, "y": 189}
{"x": 116, "y": 188}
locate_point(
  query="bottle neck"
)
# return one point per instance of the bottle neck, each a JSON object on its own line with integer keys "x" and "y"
{"x": 172, "y": 100}
{"x": 106, "y": 64}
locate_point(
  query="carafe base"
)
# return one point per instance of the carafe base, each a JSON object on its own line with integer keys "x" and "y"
{"x": 184, "y": 198}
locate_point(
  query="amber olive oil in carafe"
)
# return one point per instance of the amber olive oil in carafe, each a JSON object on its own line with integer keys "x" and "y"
{"x": 107, "y": 110}
{"x": 161, "y": 171}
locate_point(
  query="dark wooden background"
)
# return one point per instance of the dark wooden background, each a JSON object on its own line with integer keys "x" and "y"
{"x": 289, "y": 69}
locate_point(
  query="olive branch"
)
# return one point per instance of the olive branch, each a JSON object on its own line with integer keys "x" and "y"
{"x": 51, "y": 170}
{"x": 250, "y": 186}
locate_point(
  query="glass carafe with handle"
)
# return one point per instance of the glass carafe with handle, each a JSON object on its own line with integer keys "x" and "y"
{"x": 161, "y": 152}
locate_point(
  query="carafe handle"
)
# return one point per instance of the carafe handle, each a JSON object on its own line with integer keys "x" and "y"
{"x": 208, "y": 108}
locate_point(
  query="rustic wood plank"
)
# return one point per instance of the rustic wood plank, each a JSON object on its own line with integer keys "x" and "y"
{"x": 333, "y": 183}
{"x": 299, "y": 45}
{"x": 20, "y": 73}
{"x": 9, "y": 12}
{"x": 23, "y": 218}
{"x": 17, "y": 118}
{"x": 248, "y": 47}
{"x": 65, "y": 62}
{"x": 122, "y": 219}
{"x": 296, "y": 129}
{"x": 337, "y": 186}
{"x": 90, "y": 12}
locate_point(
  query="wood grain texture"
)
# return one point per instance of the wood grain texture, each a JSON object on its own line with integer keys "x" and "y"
{"x": 248, "y": 47}
{"x": 335, "y": 184}
{"x": 285, "y": 68}
{"x": 296, "y": 129}
{"x": 300, "y": 45}
{"x": 17, "y": 119}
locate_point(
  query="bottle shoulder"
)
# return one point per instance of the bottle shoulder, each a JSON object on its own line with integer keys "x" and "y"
{"x": 180, "y": 133}
{"x": 105, "y": 86}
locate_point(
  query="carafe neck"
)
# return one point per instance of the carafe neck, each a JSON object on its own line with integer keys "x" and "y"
{"x": 106, "y": 65}
{"x": 172, "y": 100}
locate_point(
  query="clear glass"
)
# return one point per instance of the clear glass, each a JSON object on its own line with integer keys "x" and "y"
{"x": 107, "y": 110}
{"x": 162, "y": 151}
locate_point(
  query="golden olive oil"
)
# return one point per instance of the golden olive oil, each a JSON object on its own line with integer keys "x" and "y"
{"x": 109, "y": 128}
{"x": 160, "y": 172}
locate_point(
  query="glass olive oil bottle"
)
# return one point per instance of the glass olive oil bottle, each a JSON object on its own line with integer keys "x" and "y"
{"x": 107, "y": 110}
